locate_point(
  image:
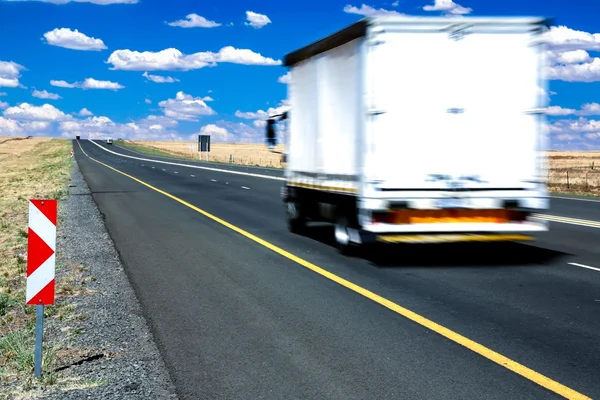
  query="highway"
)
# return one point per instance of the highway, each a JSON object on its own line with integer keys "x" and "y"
{"x": 241, "y": 308}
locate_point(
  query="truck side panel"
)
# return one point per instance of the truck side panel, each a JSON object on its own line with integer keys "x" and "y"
{"x": 324, "y": 99}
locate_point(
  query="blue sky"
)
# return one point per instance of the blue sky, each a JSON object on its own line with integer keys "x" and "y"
{"x": 137, "y": 69}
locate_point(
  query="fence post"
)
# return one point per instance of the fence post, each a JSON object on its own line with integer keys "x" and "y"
{"x": 586, "y": 181}
{"x": 568, "y": 186}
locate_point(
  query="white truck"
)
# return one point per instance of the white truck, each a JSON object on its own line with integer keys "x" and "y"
{"x": 418, "y": 130}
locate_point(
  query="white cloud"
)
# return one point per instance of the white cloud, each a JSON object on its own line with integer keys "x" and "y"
{"x": 217, "y": 133}
{"x": 173, "y": 59}
{"x": 581, "y": 125}
{"x": 148, "y": 101}
{"x": 89, "y": 83}
{"x": 10, "y": 72}
{"x": 10, "y": 127}
{"x": 185, "y": 107}
{"x": 63, "y": 84}
{"x": 448, "y": 7}
{"x": 590, "y": 109}
{"x": 159, "y": 79}
{"x": 75, "y": 40}
{"x": 285, "y": 78}
{"x": 3, "y": 105}
{"x": 194, "y": 21}
{"x": 207, "y": 98}
{"x": 260, "y": 114}
{"x": 586, "y": 110}
{"x": 158, "y": 119}
{"x": 557, "y": 110}
{"x": 149, "y": 128}
{"x": 26, "y": 111}
{"x": 396, "y": 3}
{"x": 586, "y": 72}
{"x": 84, "y": 112}
{"x": 97, "y": 2}
{"x": 3, "y": 94}
{"x": 564, "y": 38}
{"x": 568, "y": 57}
{"x": 260, "y": 117}
{"x": 256, "y": 20}
{"x": 575, "y": 134}
{"x": 368, "y": 10}
{"x": 45, "y": 95}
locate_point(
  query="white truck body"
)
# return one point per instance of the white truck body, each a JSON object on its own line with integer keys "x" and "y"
{"x": 421, "y": 114}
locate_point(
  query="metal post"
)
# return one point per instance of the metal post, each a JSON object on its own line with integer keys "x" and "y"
{"x": 39, "y": 331}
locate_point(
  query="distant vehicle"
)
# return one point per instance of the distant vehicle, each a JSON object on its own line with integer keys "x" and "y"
{"x": 419, "y": 130}
{"x": 109, "y": 141}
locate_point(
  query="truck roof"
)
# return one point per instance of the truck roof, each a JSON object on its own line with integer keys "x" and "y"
{"x": 359, "y": 29}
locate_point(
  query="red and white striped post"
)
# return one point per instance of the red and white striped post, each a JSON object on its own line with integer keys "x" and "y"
{"x": 41, "y": 248}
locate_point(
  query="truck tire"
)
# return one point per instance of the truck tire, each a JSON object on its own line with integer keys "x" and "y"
{"x": 342, "y": 237}
{"x": 295, "y": 219}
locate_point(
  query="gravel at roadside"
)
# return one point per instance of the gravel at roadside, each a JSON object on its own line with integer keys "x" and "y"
{"x": 108, "y": 351}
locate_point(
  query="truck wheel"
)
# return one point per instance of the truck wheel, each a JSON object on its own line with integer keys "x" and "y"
{"x": 295, "y": 219}
{"x": 342, "y": 237}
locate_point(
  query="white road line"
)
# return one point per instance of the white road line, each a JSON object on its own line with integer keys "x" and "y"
{"x": 164, "y": 169}
{"x": 152, "y": 167}
{"x": 585, "y": 266}
{"x": 142, "y": 165}
{"x": 591, "y": 224}
{"x": 277, "y": 178}
{"x": 193, "y": 176}
{"x": 213, "y": 180}
{"x": 575, "y": 198}
{"x": 244, "y": 187}
{"x": 176, "y": 172}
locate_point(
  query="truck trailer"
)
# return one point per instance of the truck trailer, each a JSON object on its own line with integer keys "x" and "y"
{"x": 419, "y": 130}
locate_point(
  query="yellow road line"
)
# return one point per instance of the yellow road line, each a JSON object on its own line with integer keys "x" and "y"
{"x": 566, "y": 220}
{"x": 491, "y": 355}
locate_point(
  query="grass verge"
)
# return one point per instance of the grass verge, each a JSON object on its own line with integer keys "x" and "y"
{"x": 31, "y": 168}
{"x": 254, "y": 155}
{"x": 145, "y": 149}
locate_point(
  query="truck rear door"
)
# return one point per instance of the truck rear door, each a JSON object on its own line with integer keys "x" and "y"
{"x": 447, "y": 104}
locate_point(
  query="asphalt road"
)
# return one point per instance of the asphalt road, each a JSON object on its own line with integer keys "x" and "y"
{"x": 234, "y": 319}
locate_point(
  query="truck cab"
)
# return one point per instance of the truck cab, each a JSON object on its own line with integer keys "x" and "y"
{"x": 109, "y": 141}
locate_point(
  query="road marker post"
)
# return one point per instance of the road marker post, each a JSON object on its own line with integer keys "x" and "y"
{"x": 41, "y": 262}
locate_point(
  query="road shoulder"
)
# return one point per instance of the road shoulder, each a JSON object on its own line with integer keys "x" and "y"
{"x": 109, "y": 349}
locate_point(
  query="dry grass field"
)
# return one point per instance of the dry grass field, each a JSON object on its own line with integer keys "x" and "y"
{"x": 570, "y": 171}
{"x": 240, "y": 153}
{"x": 575, "y": 171}
{"x": 29, "y": 168}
